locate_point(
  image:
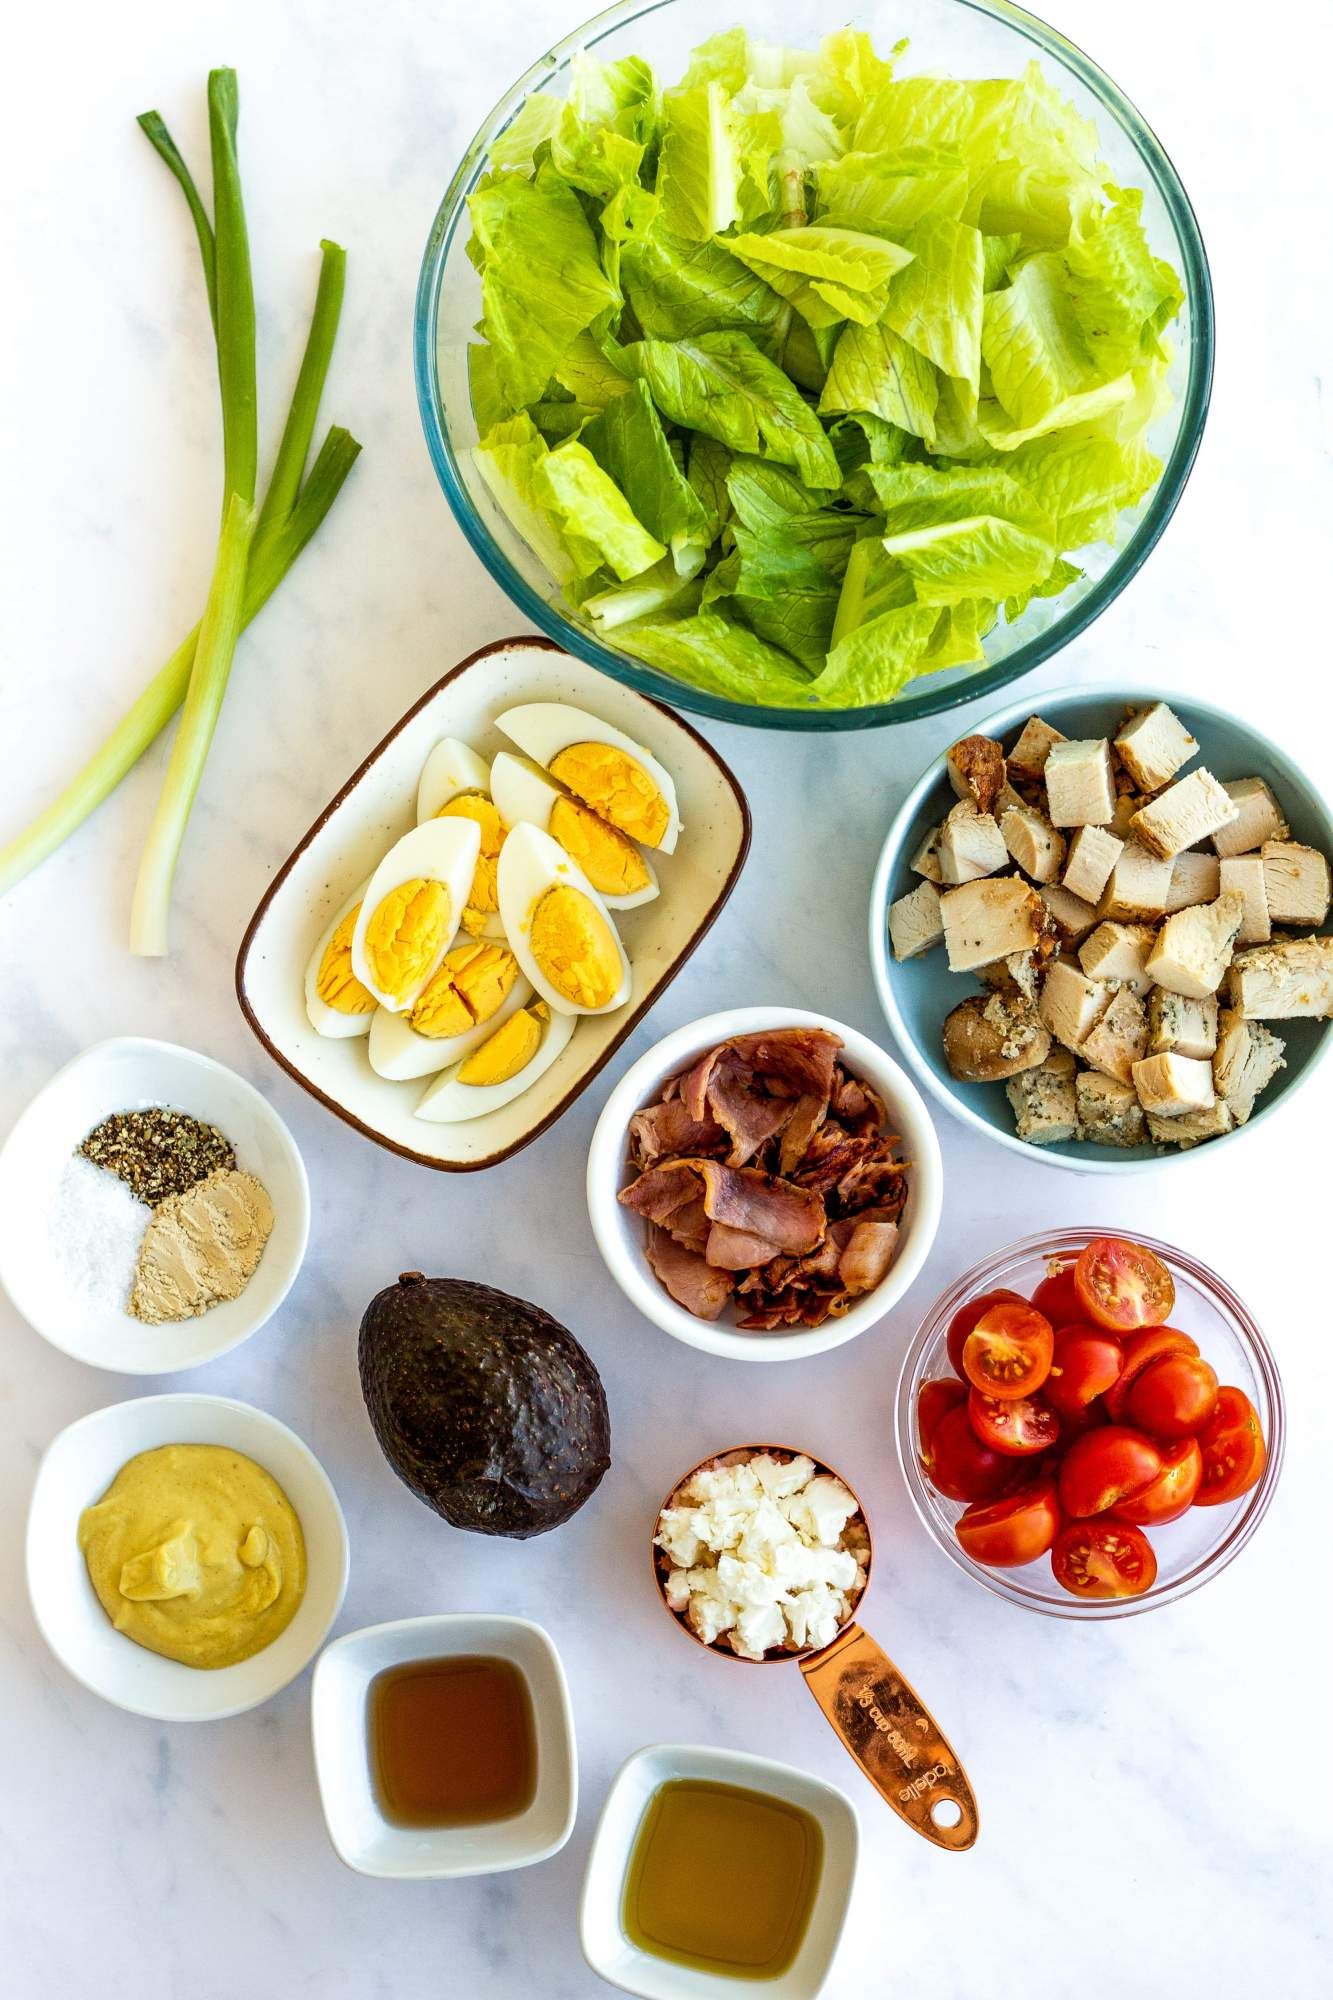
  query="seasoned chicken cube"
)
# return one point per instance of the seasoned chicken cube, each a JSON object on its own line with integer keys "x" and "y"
{"x": 994, "y": 1035}
{"x": 1195, "y": 878}
{"x": 1194, "y": 947}
{"x": 1171, "y": 1084}
{"x": 1033, "y": 843}
{"x": 1296, "y": 881}
{"x": 1118, "y": 951}
{"x": 1248, "y": 1057}
{"x": 1072, "y": 916}
{"x": 1183, "y": 815}
{"x": 1288, "y": 980}
{"x": 915, "y": 923}
{"x": 1187, "y": 1026}
{"x": 926, "y": 860}
{"x": 1007, "y": 799}
{"x": 1080, "y": 789}
{"x": 1153, "y": 745}
{"x": 1015, "y": 974}
{"x": 988, "y": 919}
{"x": 1191, "y": 1128}
{"x": 1126, "y": 805}
{"x": 1071, "y": 1004}
{"x": 1043, "y": 1102}
{"x": 1139, "y": 886}
{"x": 1243, "y": 875}
{"x": 1029, "y": 754}
{"x": 1109, "y": 1112}
{"x": 1093, "y": 853}
{"x": 1258, "y": 817}
{"x": 970, "y": 846}
{"x": 976, "y": 771}
{"x": 1120, "y": 1038}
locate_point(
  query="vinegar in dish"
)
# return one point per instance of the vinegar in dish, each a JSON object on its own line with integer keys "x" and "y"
{"x": 452, "y": 1742}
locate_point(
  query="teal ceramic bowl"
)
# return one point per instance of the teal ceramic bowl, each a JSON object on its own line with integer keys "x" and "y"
{"x": 918, "y": 993}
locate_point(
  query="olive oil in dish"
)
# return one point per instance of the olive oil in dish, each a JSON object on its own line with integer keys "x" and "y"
{"x": 452, "y": 1741}
{"x": 721, "y": 1879}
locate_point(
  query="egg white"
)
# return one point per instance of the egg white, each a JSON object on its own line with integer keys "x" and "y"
{"x": 530, "y": 864}
{"x": 452, "y": 767}
{"x": 399, "y": 1053}
{"x": 522, "y": 791}
{"x": 326, "y": 1020}
{"x": 439, "y": 850}
{"x": 545, "y": 728}
{"x": 448, "y": 1102}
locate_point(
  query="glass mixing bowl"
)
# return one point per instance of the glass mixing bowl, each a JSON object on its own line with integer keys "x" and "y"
{"x": 1189, "y": 1550}
{"x": 967, "y": 38}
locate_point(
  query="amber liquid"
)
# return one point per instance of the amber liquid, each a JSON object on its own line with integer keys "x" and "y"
{"x": 452, "y": 1742}
{"x": 722, "y": 1879}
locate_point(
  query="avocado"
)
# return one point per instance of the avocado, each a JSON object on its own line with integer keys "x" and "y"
{"x": 483, "y": 1404}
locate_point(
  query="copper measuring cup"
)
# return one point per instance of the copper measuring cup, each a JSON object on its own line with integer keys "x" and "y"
{"x": 878, "y": 1716}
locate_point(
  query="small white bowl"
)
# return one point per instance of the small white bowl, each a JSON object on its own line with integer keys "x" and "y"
{"x": 620, "y": 1232}
{"x": 76, "y": 1470}
{"x": 601, "y": 1932}
{"x": 374, "y": 1845}
{"x": 130, "y": 1073}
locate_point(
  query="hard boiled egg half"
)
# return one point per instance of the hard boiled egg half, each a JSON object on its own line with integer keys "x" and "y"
{"x": 622, "y": 782}
{"x": 476, "y": 990}
{"x": 455, "y": 783}
{"x": 335, "y": 1000}
{"x": 619, "y": 871}
{"x": 411, "y": 910}
{"x": 501, "y": 1069}
{"x": 558, "y": 927}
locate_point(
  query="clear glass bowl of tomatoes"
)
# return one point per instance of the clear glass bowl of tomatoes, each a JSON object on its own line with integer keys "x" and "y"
{"x": 1106, "y": 1446}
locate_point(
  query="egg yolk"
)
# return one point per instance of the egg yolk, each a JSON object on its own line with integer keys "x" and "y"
{"x": 482, "y": 900}
{"x": 611, "y": 863}
{"x": 510, "y": 1049}
{"x": 335, "y": 982}
{"x": 575, "y": 947}
{"x": 470, "y": 985}
{"x": 405, "y": 933}
{"x": 616, "y": 787}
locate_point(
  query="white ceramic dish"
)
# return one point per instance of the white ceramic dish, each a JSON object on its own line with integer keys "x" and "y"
{"x": 378, "y": 803}
{"x": 601, "y": 1932}
{"x": 127, "y": 1074}
{"x": 374, "y": 1845}
{"x": 917, "y": 994}
{"x": 77, "y": 1468}
{"x": 620, "y": 1233}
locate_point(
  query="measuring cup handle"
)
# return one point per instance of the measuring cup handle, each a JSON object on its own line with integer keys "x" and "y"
{"x": 894, "y": 1738}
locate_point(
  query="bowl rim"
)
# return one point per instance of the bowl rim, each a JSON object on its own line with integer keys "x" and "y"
{"x": 928, "y": 700}
{"x": 883, "y": 966}
{"x": 328, "y": 1493}
{"x": 606, "y": 1160}
{"x": 522, "y": 641}
{"x": 153, "y": 1046}
{"x": 1253, "y": 1505}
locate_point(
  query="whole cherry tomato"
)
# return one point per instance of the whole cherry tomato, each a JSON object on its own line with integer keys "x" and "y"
{"x": 1085, "y": 1364}
{"x": 966, "y": 1318}
{"x": 1104, "y": 1559}
{"x": 1010, "y": 1532}
{"x": 1139, "y": 1350}
{"x": 1173, "y": 1396}
{"x": 961, "y": 1466}
{"x": 1233, "y": 1448}
{"x": 933, "y": 1400}
{"x": 1122, "y": 1285}
{"x": 1008, "y": 1352}
{"x": 1173, "y": 1491}
{"x": 1104, "y": 1467}
{"x": 1057, "y": 1294}
{"x": 1019, "y": 1426}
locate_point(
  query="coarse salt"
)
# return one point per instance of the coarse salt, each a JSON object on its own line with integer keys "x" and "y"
{"x": 96, "y": 1226}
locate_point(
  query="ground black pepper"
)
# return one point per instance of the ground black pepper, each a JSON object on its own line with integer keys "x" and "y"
{"x": 158, "y": 1152}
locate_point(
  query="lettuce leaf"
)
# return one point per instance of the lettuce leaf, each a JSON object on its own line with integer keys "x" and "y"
{"x": 876, "y": 372}
{"x": 876, "y": 661}
{"x": 629, "y": 444}
{"x": 1032, "y": 343}
{"x": 720, "y": 655}
{"x": 936, "y": 303}
{"x": 679, "y": 288}
{"x": 892, "y": 193}
{"x": 698, "y": 173}
{"x": 722, "y": 385}
{"x": 828, "y": 274}
{"x": 509, "y": 458}
{"x": 593, "y": 513}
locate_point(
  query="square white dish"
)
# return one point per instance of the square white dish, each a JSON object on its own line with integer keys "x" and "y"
{"x": 361, "y": 1834}
{"x": 376, "y": 805}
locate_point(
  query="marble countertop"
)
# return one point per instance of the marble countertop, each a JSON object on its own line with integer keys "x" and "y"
{"x": 1154, "y": 1793}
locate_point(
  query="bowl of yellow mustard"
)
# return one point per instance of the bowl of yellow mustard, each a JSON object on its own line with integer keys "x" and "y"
{"x": 186, "y": 1555}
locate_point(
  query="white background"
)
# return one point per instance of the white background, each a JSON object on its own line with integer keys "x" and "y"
{"x": 1154, "y": 1794}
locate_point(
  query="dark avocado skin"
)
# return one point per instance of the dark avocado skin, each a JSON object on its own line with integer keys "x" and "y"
{"x": 483, "y": 1404}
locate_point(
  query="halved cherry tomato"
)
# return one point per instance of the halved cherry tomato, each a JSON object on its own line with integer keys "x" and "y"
{"x": 966, "y": 1318}
{"x": 963, "y": 1468}
{"x": 1173, "y": 1491}
{"x": 1013, "y": 1531}
{"x": 1122, "y": 1285}
{"x": 1104, "y": 1467}
{"x": 1019, "y": 1426}
{"x": 1008, "y": 1352}
{"x": 1138, "y": 1350}
{"x": 1173, "y": 1396}
{"x": 1085, "y": 1364}
{"x": 933, "y": 1400}
{"x": 1057, "y": 1295}
{"x": 1234, "y": 1452}
{"x": 1104, "y": 1559}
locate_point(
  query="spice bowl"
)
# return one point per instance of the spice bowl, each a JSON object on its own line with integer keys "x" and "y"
{"x": 76, "y": 1469}
{"x": 608, "y": 1948}
{"x": 126, "y": 1074}
{"x": 363, "y": 1834}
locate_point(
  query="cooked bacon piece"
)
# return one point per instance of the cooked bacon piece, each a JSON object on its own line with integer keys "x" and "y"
{"x": 692, "y": 1283}
{"x": 661, "y": 1191}
{"x": 738, "y": 1249}
{"x": 801, "y": 1058}
{"x": 807, "y": 1115}
{"x": 669, "y": 1128}
{"x": 789, "y": 1217}
{"x": 749, "y": 1119}
{"x": 826, "y": 1166}
{"x": 856, "y": 1105}
{"x": 690, "y": 1224}
{"x": 870, "y": 1250}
